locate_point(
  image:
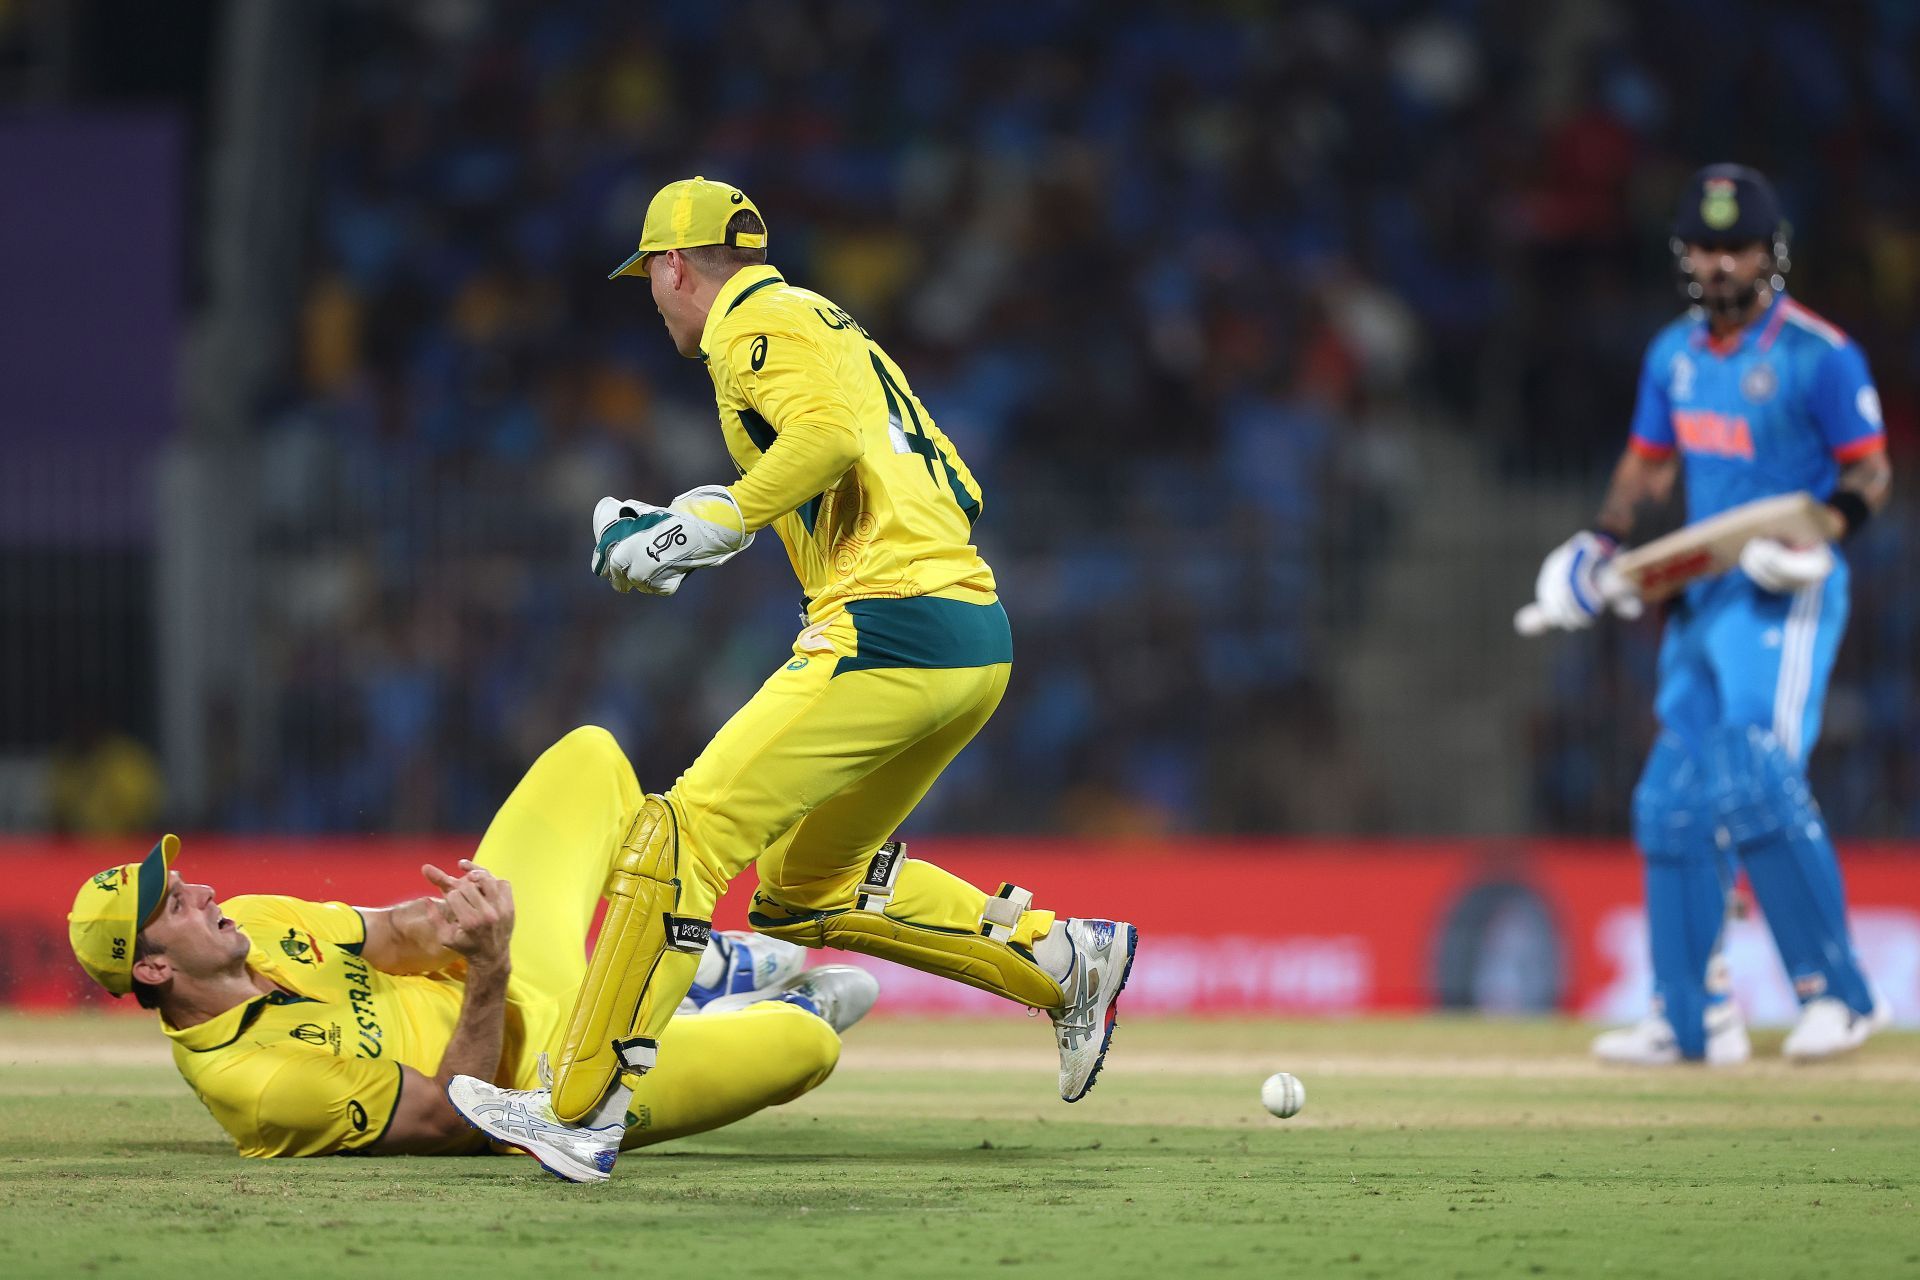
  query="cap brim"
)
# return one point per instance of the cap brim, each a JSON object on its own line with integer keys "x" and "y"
{"x": 634, "y": 266}
{"x": 153, "y": 878}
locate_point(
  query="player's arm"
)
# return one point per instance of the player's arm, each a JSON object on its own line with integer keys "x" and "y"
{"x": 792, "y": 384}
{"x": 1641, "y": 477}
{"x": 1863, "y": 489}
{"x": 1845, "y": 404}
{"x": 1846, "y": 408}
{"x": 1570, "y": 590}
{"x": 408, "y": 937}
{"x": 480, "y": 910}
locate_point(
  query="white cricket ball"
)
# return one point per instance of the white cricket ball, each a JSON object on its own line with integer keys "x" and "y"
{"x": 1283, "y": 1094}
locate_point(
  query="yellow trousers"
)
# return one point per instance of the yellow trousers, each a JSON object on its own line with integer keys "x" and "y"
{"x": 820, "y": 768}
{"x": 553, "y": 840}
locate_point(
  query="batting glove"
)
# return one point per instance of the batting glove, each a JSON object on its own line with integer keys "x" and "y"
{"x": 1775, "y": 566}
{"x": 641, "y": 547}
{"x": 1575, "y": 587}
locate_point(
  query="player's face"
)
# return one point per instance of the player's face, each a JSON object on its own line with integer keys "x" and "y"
{"x": 672, "y": 282}
{"x": 1728, "y": 275}
{"x": 190, "y": 931}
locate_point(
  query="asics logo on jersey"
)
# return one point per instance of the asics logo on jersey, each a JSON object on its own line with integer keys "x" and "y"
{"x": 1720, "y": 435}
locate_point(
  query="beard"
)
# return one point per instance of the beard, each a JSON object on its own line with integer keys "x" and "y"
{"x": 1728, "y": 300}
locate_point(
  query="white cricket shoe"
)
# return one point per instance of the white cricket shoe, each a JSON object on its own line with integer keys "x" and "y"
{"x": 1828, "y": 1027}
{"x": 753, "y": 962}
{"x": 839, "y": 993}
{"x": 524, "y": 1118}
{"x": 1083, "y": 1025}
{"x": 1651, "y": 1043}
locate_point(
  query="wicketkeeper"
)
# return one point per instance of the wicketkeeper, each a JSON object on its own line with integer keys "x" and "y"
{"x": 905, "y": 655}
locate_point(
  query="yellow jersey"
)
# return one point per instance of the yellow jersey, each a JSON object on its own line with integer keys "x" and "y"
{"x": 314, "y": 1069}
{"x": 836, "y": 453}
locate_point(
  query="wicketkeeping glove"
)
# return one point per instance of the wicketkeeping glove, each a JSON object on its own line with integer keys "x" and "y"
{"x": 1775, "y": 566}
{"x": 641, "y": 547}
{"x": 1573, "y": 587}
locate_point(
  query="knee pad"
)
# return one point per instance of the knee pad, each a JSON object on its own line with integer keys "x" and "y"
{"x": 613, "y": 1024}
{"x": 1673, "y": 820}
{"x": 984, "y": 957}
{"x": 1757, "y": 790}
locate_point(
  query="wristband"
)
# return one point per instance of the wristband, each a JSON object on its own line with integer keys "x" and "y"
{"x": 1853, "y": 509}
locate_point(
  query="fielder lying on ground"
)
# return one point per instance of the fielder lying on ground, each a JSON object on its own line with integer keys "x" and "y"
{"x": 316, "y": 1028}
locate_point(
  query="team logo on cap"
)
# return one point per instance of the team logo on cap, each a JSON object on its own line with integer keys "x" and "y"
{"x": 1719, "y": 206}
{"x": 1759, "y": 383}
{"x": 111, "y": 879}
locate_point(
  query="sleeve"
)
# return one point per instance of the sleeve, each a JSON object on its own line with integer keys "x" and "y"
{"x": 1652, "y": 433}
{"x": 793, "y": 388}
{"x": 315, "y": 1104}
{"x": 1844, "y": 402}
{"x": 334, "y": 922}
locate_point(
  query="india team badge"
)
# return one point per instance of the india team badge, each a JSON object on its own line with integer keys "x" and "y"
{"x": 1719, "y": 204}
{"x": 1759, "y": 383}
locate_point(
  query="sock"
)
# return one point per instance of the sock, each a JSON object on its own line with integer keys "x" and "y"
{"x": 1054, "y": 952}
{"x": 612, "y": 1108}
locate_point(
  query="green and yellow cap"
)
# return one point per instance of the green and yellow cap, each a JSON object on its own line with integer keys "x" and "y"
{"x": 111, "y": 908}
{"x": 687, "y": 214}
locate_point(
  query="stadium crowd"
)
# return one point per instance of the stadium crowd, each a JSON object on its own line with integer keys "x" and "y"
{"x": 1180, "y": 287}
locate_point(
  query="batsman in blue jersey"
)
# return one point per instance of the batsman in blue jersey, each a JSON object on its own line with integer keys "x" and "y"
{"x": 1748, "y": 395}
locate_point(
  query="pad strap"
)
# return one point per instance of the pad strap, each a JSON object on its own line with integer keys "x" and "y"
{"x": 684, "y": 933}
{"x": 638, "y": 1054}
{"x": 1001, "y": 916}
{"x": 876, "y": 888}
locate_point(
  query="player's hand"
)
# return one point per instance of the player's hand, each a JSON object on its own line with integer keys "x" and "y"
{"x": 1574, "y": 586}
{"x": 1775, "y": 566}
{"x": 641, "y": 547}
{"x": 476, "y": 911}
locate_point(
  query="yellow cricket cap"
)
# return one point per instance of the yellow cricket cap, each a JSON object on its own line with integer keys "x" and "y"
{"x": 111, "y": 908}
{"x": 687, "y": 214}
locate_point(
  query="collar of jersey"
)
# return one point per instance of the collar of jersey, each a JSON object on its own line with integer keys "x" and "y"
{"x": 218, "y": 1031}
{"x": 1762, "y": 323}
{"x": 732, "y": 294}
{"x": 223, "y": 1029}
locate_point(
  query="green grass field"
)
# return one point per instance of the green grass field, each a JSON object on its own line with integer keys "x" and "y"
{"x": 1427, "y": 1148}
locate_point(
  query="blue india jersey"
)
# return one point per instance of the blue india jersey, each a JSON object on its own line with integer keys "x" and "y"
{"x": 1780, "y": 408}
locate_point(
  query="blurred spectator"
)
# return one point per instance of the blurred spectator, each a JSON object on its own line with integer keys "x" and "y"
{"x": 1180, "y": 286}
{"x": 102, "y": 781}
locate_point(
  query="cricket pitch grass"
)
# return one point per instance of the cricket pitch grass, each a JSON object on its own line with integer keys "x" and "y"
{"x": 1427, "y": 1148}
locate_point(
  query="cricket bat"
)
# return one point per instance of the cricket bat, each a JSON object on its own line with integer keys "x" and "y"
{"x": 1667, "y": 566}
